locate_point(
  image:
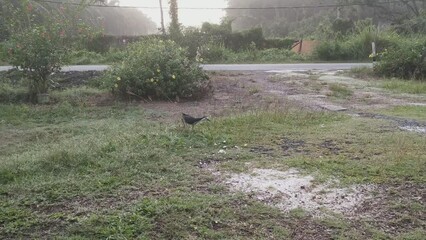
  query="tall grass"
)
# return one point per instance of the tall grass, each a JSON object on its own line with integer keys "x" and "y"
{"x": 356, "y": 46}
{"x": 403, "y": 86}
{"x": 85, "y": 57}
{"x": 219, "y": 54}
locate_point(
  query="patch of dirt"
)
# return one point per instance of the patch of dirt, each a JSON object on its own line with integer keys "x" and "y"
{"x": 73, "y": 79}
{"x": 290, "y": 146}
{"x": 331, "y": 146}
{"x": 306, "y": 228}
{"x": 208, "y": 162}
{"x": 326, "y": 147}
{"x": 403, "y": 124}
{"x": 290, "y": 189}
{"x": 396, "y": 209}
{"x": 262, "y": 150}
{"x": 231, "y": 94}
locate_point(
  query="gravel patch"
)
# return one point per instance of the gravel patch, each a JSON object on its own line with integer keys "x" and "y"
{"x": 288, "y": 190}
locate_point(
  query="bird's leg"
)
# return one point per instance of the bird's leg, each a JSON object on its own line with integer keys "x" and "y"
{"x": 183, "y": 122}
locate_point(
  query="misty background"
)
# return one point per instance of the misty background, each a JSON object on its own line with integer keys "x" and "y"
{"x": 277, "y": 18}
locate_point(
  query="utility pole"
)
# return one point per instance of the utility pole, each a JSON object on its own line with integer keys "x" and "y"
{"x": 163, "y": 29}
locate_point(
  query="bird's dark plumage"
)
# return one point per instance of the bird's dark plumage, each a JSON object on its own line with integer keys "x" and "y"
{"x": 192, "y": 120}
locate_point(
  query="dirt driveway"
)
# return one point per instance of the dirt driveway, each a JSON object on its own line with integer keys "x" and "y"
{"x": 315, "y": 90}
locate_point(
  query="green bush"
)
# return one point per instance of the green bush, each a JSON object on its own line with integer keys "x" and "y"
{"x": 262, "y": 56}
{"x": 213, "y": 53}
{"x": 243, "y": 40}
{"x": 3, "y": 53}
{"x": 12, "y": 94}
{"x": 82, "y": 57}
{"x": 114, "y": 55}
{"x": 280, "y": 43}
{"x": 355, "y": 45}
{"x": 38, "y": 52}
{"x": 40, "y": 41}
{"x": 279, "y": 55}
{"x": 193, "y": 39}
{"x": 157, "y": 69}
{"x": 415, "y": 25}
{"x": 331, "y": 50}
{"x": 406, "y": 61}
{"x": 13, "y": 87}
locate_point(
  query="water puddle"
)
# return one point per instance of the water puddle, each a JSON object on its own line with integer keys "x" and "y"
{"x": 414, "y": 129}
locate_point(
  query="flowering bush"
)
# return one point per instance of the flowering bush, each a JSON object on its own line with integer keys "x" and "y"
{"x": 38, "y": 52}
{"x": 157, "y": 69}
{"x": 39, "y": 42}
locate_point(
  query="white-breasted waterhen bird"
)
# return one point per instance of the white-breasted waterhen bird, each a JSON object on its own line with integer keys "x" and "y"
{"x": 187, "y": 119}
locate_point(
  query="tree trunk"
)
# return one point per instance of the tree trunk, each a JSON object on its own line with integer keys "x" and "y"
{"x": 163, "y": 29}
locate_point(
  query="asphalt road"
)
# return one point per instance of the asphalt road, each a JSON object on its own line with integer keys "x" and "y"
{"x": 240, "y": 67}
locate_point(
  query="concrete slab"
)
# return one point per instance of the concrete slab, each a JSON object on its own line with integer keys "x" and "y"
{"x": 333, "y": 108}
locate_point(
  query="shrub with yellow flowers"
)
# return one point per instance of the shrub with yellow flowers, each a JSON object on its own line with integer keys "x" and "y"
{"x": 155, "y": 68}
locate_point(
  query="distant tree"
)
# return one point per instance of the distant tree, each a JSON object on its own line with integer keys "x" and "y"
{"x": 163, "y": 29}
{"x": 119, "y": 21}
{"x": 279, "y": 22}
{"x": 392, "y": 10}
{"x": 175, "y": 27}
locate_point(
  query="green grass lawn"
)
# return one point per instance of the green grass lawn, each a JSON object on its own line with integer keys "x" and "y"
{"x": 411, "y": 112}
{"x": 404, "y": 86}
{"x": 80, "y": 172}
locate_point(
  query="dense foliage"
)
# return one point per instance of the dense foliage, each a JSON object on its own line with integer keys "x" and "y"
{"x": 111, "y": 20}
{"x": 355, "y": 45}
{"x": 302, "y": 22}
{"x": 157, "y": 69}
{"x": 39, "y": 52}
{"x": 214, "y": 41}
{"x": 39, "y": 40}
{"x": 175, "y": 27}
{"x": 407, "y": 60}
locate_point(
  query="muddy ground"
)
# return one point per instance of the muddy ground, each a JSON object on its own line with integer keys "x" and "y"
{"x": 241, "y": 91}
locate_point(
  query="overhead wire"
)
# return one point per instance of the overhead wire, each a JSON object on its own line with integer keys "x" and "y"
{"x": 230, "y": 8}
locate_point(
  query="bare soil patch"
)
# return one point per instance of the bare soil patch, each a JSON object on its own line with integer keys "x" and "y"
{"x": 395, "y": 208}
{"x": 288, "y": 190}
{"x": 235, "y": 92}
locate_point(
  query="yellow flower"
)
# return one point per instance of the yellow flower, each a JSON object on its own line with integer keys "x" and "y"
{"x": 173, "y": 76}
{"x": 116, "y": 85}
{"x": 152, "y": 80}
{"x": 118, "y": 78}
{"x": 158, "y": 70}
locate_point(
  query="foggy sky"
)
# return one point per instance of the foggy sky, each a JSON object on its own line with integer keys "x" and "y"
{"x": 186, "y": 17}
